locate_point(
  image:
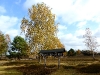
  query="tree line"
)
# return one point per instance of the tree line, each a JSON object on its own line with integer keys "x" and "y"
{"x": 79, "y": 52}
{"x": 18, "y": 48}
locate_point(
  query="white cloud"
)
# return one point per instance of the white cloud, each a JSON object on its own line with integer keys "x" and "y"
{"x": 12, "y": 33}
{"x": 9, "y": 25}
{"x": 74, "y": 40}
{"x": 7, "y": 22}
{"x": 97, "y": 39}
{"x": 72, "y": 10}
{"x": 62, "y": 27}
{"x": 2, "y": 9}
{"x": 81, "y": 24}
{"x": 79, "y": 33}
{"x": 71, "y": 41}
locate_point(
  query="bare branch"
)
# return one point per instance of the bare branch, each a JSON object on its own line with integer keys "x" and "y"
{"x": 90, "y": 41}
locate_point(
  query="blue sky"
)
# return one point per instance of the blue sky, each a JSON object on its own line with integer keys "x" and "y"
{"x": 74, "y": 17}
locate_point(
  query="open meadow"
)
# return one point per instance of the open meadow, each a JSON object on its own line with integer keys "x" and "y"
{"x": 68, "y": 66}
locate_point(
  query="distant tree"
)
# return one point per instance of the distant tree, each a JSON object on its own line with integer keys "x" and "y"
{"x": 78, "y": 52}
{"x": 98, "y": 53}
{"x": 3, "y": 44}
{"x": 20, "y": 46}
{"x": 90, "y": 41}
{"x": 65, "y": 53}
{"x": 71, "y": 52}
{"x": 41, "y": 30}
{"x": 12, "y": 54}
{"x": 86, "y": 52}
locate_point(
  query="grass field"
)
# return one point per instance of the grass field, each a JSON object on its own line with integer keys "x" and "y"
{"x": 68, "y": 66}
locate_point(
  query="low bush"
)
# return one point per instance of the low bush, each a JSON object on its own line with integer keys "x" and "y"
{"x": 93, "y": 68}
{"x": 68, "y": 67}
{"x": 51, "y": 66}
{"x": 35, "y": 70}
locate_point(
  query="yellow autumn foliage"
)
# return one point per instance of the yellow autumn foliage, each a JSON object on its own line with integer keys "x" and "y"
{"x": 41, "y": 29}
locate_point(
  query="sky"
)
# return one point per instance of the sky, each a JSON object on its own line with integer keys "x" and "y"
{"x": 73, "y": 16}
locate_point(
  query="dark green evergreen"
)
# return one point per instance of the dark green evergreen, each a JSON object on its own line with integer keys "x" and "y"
{"x": 20, "y": 46}
{"x": 71, "y": 52}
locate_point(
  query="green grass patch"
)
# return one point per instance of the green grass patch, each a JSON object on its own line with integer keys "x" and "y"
{"x": 18, "y": 63}
{"x": 12, "y": 72}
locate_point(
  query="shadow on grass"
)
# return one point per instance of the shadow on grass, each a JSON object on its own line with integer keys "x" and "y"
{"x": 68, "y": 67}
{"x": 93, "y": 68}
{"x": 35, "y": 69}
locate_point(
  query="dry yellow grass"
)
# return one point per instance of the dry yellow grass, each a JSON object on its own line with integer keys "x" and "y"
{"x": 71, "y": 61}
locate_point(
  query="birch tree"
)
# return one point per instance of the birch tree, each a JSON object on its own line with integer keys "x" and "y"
{"x": 90, "y": 41}
{"x": 41, "y": 30}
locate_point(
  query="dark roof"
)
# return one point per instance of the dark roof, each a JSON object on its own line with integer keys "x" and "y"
{"x": 53, "y": 51}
